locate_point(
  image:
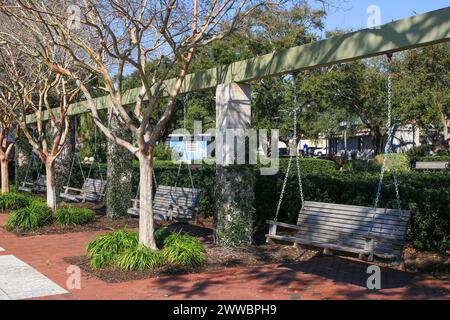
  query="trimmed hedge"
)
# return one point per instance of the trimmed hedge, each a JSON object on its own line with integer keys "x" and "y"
{"x": 436, "y": 158}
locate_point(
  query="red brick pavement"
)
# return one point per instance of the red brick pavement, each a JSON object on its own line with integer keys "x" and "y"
{"x": 324, "y": 277}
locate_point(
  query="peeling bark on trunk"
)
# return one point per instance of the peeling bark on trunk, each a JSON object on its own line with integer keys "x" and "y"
{"x": 51, "y": 190}
{"x": 146, "y": 226}
{"x": 5, "y": 175}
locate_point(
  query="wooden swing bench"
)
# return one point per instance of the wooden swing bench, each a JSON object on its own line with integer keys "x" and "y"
{"x": 40, "y": 185}
{"x": 93, "y": 190}
{"x": 347, "y": 228}
{"x": 172, "y": 204}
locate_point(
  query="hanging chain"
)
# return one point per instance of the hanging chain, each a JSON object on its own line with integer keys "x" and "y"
{"x": 283, "y": 189}
{"x": 299, "y": 174}
{"x": 388, "y": 150}
{"x": 185, "y": 102}
{"x": 292, "y": 154}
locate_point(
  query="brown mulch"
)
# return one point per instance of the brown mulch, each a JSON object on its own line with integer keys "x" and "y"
{"x": 218, "y": 258}
{"x": 436, "y": 264}
{"x": 100, "y": 223}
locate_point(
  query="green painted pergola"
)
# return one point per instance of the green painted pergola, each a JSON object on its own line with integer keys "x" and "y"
{"x": 421, "y": 30}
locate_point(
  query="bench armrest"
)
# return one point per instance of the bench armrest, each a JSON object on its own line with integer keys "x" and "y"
{"x": 284, "y": 225}
{"x": 72, "y": 189}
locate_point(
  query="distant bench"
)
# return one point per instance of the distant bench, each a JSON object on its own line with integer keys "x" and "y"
{"x": 431, "y": 165}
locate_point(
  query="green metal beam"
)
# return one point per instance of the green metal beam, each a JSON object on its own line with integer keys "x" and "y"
{"x": 421, "y": 30}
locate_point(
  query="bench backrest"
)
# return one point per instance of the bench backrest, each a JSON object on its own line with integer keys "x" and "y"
{"x": 176, "y": 203}
{"x": 94, "y": 189}
{"x": 41, "y": 183}
{"x": 432, "y": 165}
{"x": 348, "y": 225}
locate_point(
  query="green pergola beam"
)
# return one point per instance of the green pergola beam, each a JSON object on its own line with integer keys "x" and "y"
{"x": 421, "y": 30}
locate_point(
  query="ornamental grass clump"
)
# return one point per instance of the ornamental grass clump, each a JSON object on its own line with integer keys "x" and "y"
{"x": 184, "y": 250}
{"x": 139, "y": 258}
{"x": 103, "y": 250}
{"x": 70, "y": 216}
{"x": 36, "y": 215}
{"x": 13, "y": 201}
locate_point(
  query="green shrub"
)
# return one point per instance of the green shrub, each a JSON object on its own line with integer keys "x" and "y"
{"x": 161, "y": 235}
{"x": 436, "y": 158}
{"x": 30, "y": 218}
{"x": 402, "y": 162}
{"x": 309, "y": 166}
{"x": 184, "y": 250}
{"x": 161, "y": 152}
{"x": 104, "y": 248}
{"x": 443, "y": 153}
{"x": 427, "y": 194}
{"x": 417, "y": 152}
{"x": 74, "y": 216}
{"x": 139, "y": 258}
{"x": 13, "y": 201}
{"x": 361, "y": 166}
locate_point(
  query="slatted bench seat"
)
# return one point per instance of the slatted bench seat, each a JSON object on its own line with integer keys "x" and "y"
{"x": 431, "y": 165}
{"x": 40, "y": 185}
{"x": 349, "y": 229}
{"x": 172, "y": 203}
{"x": 93, "y": 190}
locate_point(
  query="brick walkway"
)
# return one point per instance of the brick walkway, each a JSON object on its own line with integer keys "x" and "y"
{"x": 319, "y": 278}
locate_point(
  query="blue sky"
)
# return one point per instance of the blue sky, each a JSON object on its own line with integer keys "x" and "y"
{"x": 352, "y": 14}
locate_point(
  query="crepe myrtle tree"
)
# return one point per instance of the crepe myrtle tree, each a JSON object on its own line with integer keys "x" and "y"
{"x": 10, "y": 68}
{"x": 36, "y": 89}
{"x": 158, "y": 39}
{"x": 7, "y": 125}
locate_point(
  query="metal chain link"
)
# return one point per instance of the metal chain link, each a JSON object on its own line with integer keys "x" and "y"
{"x": 388, "y": 150}
{"x": 185, "y": 102}
{"x": 300, "y": 184}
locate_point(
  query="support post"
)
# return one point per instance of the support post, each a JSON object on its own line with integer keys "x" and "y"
{"x": 235, "y": 196}
{"x": 119, "y": 173}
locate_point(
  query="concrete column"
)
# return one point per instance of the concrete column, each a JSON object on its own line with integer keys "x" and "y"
{"x": 119, "y": 173}
{"x": 234, "y": 216}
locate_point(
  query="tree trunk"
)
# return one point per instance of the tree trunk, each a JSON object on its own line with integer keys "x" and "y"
{"x": 377, "y": 139}
{"x": 146, "y": 227}
{"x": 5, "y": 175}
{"x": 51, "y": 190}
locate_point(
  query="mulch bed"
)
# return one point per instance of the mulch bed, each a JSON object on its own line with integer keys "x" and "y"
{"x": 218, "y": 258}
{"x": 100, "y": 223}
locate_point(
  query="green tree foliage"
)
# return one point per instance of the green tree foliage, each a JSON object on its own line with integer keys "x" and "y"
{"x": 424, "y": 83}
